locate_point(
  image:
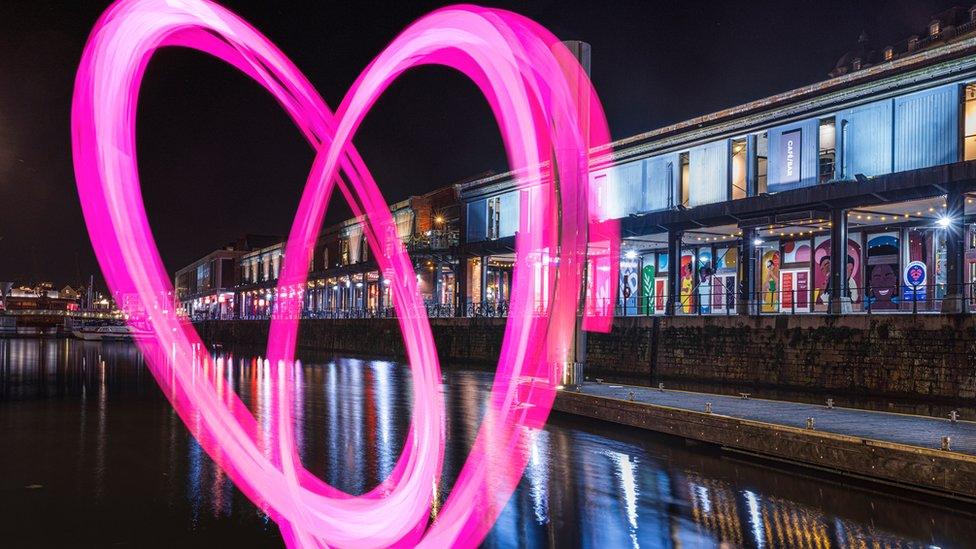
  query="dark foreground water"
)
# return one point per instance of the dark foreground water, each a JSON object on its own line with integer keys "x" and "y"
{"x": 91, "y": 455}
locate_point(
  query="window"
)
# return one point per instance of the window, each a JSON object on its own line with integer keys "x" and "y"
{"x": 762, "y": 162}
{"x": 934, "y": 28}
{"x": 889, "y": 53}
{"x": 912, "y": 42}
{"x": 738, "y": 168}
{"x": 828, "y": 149}
{"x": 970, "y": 123}
{"x": 856, "y": 63}
{"x": 344, "y": 251}
{"x": 494, "y": 217}
{"x": 684, "y": 181}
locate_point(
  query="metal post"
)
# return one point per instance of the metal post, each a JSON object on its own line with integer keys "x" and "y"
{"x": 955, "y": 251}
{"x": 839, "y": 298}
{"x": 674, "y": 273}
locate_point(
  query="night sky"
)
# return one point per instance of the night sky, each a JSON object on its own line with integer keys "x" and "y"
{"x": 218, "y": 158}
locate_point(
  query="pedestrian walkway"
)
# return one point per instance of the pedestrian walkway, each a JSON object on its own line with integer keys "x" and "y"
{"x": 911, "y": 430}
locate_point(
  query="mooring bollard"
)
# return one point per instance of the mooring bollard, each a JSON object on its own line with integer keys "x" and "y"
{"x": 953, "y": 416}
{"x": 810, "y": 423}
{"x": 660, "y": 387}
{"x": 946, "y": 441}
{"x": 830, "y": 404}
{"x": 708, "y": 407}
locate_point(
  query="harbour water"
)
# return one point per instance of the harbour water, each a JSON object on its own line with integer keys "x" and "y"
{"x": 92, "y": 455}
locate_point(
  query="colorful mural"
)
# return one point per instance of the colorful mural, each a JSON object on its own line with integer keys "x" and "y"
{"x": 769, "y": 281}
{"x": 883, "y": 279}
{"x": 821, "y": 271}
{"x": 686, "y": 299}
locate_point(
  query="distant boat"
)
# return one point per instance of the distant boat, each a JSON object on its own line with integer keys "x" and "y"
{"x": 109, "y": 333}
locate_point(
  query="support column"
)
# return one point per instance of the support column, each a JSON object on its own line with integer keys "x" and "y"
{"x": 436, "y": 284}
{"x": 674, "y": 272}
{"x": 381, "y": 292}
{"x": 747, "y": 271}
{"x": 840, "y": 297}
{"x": 461, "y": 287}
{"x": 484, "y": 280}
{"x": 954, "y": 301}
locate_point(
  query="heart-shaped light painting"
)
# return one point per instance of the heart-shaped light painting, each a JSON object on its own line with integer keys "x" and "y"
{"x": 550, "y": 120}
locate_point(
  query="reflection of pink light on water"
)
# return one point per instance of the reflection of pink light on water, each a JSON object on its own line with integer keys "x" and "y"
{"x": 548, "y": 115}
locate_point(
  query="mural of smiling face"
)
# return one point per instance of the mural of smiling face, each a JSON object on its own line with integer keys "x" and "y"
{"x": 884, "y": 284}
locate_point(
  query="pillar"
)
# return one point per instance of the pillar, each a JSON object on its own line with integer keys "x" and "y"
{"x": 461, "y": 287}
{"x": 484, "y": 279}
{"x": 748, "y": 259}
{"x": 436, "y": 284}
{"x": 954, "y": 301}
{"x": 840, "y": 299}
{"x": 674, "y": 271}
{"x": 380, "y": 293}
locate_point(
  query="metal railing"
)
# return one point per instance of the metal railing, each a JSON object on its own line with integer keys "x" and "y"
{"x": 922, "y": 299}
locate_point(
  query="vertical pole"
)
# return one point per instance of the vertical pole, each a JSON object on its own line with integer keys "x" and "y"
{"x": 674, "y": 273}
{"x": 461, "y": 291}
{"x": 484, "y": 282}
{"x": 747, "y": 270}
{"x": 840, "y": 300}
{"x": 955, "y": 252}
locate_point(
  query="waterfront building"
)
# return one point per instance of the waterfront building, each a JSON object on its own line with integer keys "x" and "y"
{"x": 851, "y": 195}
{"x": 207, "y": 288}
{"x": 744, "y": 210}
{"x": 345, "y": 281}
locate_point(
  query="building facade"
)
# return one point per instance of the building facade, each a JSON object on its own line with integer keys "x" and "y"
{"x": 851, "y": 195}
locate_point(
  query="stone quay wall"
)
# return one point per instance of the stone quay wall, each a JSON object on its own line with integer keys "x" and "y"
{"x": 923, "y": 357}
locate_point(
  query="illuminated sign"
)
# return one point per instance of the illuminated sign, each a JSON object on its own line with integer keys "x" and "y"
{"x": 789, "y": 156}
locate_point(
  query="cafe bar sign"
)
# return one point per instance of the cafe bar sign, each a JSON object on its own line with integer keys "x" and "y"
{"x": 789, "y": 156}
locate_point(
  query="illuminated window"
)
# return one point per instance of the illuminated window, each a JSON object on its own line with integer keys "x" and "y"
{"x": 685, "y": 177}
{"x": 739, "y": 163}
{"x": 762, "y": 161}
{"x": 970, "y": 123}
{"x": 934, "y": 28}
{"x": 889, "y": 53}
{"x": 827, "y": 149}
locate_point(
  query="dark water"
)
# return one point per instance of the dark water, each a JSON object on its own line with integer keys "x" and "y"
{"x": 91, "y": 455}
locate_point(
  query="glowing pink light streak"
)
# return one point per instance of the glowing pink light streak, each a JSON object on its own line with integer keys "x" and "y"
{"x": 549, "y": 118}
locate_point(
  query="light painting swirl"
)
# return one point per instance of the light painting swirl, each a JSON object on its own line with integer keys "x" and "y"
{"x": 550, "y": 119}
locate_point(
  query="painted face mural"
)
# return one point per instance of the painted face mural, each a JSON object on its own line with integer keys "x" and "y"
{"x": 821, "y": 272}
{"x": 883, "y": 280}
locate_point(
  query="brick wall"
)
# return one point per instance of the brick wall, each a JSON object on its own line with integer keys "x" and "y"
{"x": 921, "y": 357}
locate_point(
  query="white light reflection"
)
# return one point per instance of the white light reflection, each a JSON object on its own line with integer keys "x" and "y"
{"x": 755, "y": 520}
{"x": 537, "y": 472}
{"x": 626, "y": 474}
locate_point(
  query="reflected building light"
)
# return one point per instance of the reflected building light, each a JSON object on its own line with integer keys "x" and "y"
{"x": 537, "y": 472}
{"x": 755, "y": 520}
{"x": 626, "y": 474}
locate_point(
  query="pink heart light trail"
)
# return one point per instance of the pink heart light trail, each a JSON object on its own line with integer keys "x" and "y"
{"x": 549, "y": 118}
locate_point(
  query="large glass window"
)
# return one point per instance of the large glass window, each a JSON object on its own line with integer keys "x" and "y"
{"x": 970, "y": 124}
{"x": 738, "y": 175}
{"x": 828, "y": 149}
{"x": 762, "y": 162}
{"x": 685, "y": 183}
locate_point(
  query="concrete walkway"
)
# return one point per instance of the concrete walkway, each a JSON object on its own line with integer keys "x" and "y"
{"x": 919, "y": 431}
